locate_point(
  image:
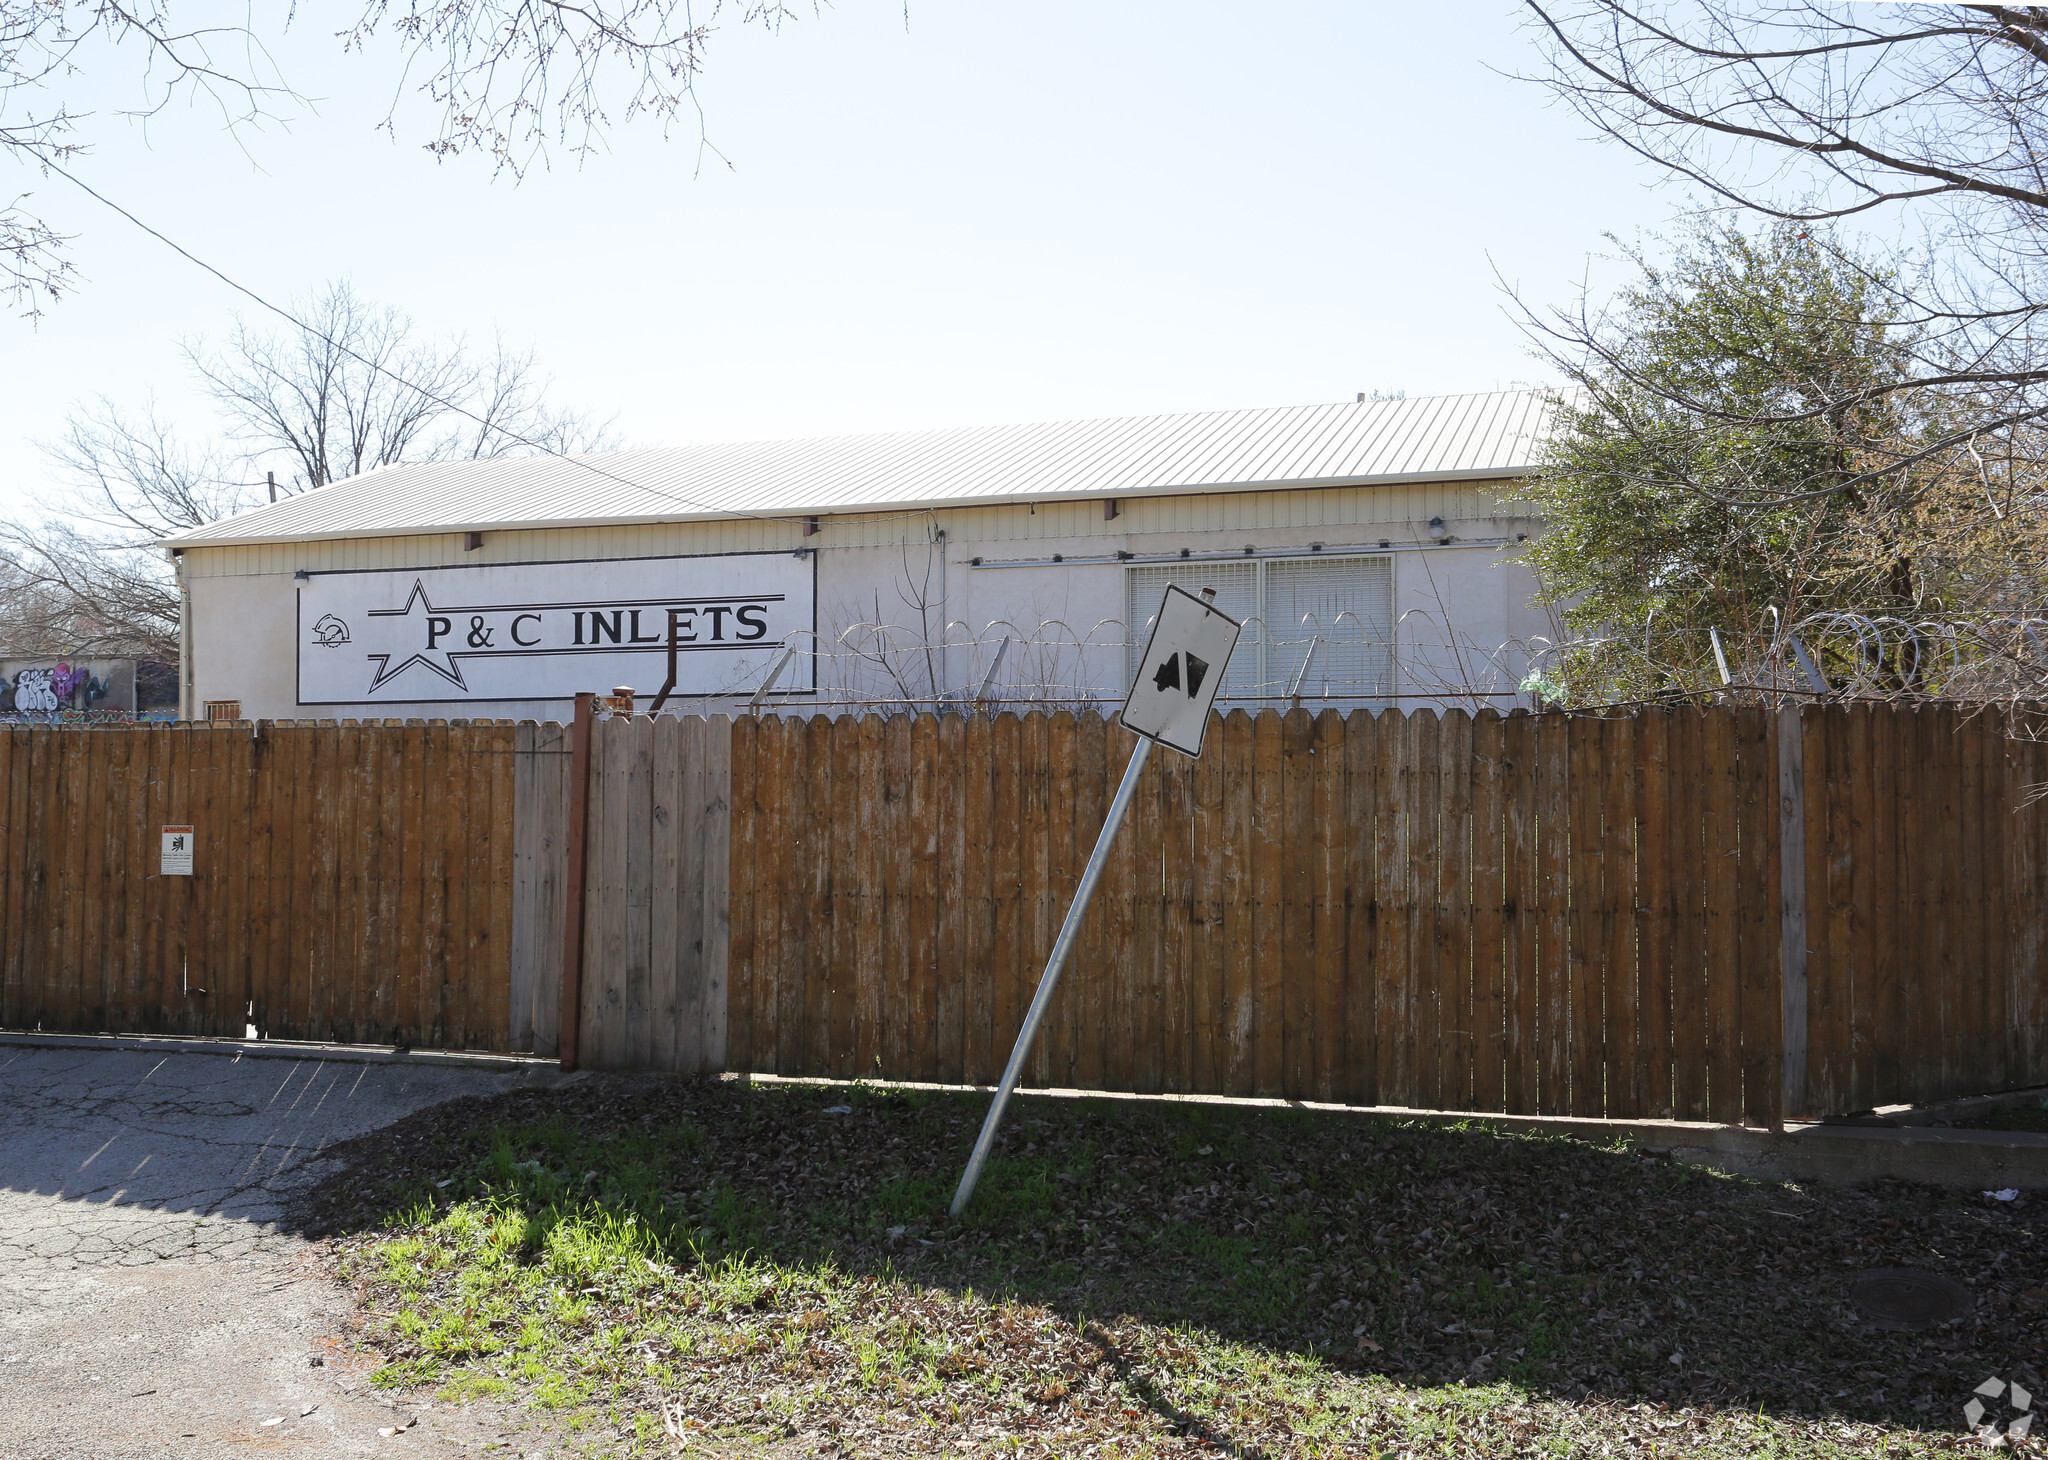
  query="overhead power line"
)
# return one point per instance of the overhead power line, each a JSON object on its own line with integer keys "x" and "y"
{"x": 537, "y": 447}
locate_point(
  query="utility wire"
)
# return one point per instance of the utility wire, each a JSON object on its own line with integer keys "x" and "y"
{"x": 441, "y": 401}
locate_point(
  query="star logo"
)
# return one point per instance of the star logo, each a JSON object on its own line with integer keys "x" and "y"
{"x": 432, "y": 626}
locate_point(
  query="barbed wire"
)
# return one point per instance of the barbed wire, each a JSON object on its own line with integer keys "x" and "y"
{"x": 1011, "y": 664}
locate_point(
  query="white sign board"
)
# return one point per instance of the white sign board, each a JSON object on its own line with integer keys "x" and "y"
{"x": 544, "y": 631}
{"x": 177, "y": 857}
{"x": 1181, "y": 672}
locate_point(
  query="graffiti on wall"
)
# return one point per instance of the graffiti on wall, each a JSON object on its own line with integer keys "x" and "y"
{"x": 48, "y": 689}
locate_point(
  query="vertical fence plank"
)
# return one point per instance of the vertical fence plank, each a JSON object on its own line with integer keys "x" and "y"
{"x": 92, "y": 834}
{"x": 923, "y": 842}
{"x": 1104, "y": 748}
{"x": 742, "y": 872}
{"x": 1690, "y": 876}
{"x": 1454, "y": 912}
{"x": 410, "y": 833}
{"x": 328, "y": 989}
{"x": 1360, "y": 1079}
{"x": 2026, "y": 770}
{"x": 1269, "y": 935}
{"x": 1393, "y": 958}
{"x": 1553, "y": 879}
{"x": 1175, "y": 779}
{"x": 1078, "y": 796}
{"x": 898, "y": 993}
{"x": 107, "y": 877}
{"x": 1523, "y": 895}
{"x": 1238, "y": 1059}
{"x": 1299, "y": 954}
{"x": 675, "y": 906}
{"x": 1196, "y": 889}
{"x": 802, "y": 884}
{"x": 953, "y": 971}
{"x": 1761, "y": 921}
{"x": 1918, "y": 900}
{"x": 1425, "y": 970}
{"x": 1653, "y": 913}
{"x": 1006, "y": 885}
{"x": 1033, "y": 832}
{"x": 494, "y": 976}
{"x": 978, "y": 896}
{"x": 1870, "y": 740}
{"x": 1330, "y": 847}
{"x": 1143, "y": 953}
{"x": 13, "y": 865}
{"x": 1838, "y": 826}
{"x": 14, "y": 870}
{"x": 1588, "y": 917}
{"x": 714, "y": 988}
{"x": 1723, "y": 949}
{"x": 68, "y": 785}
{"x": 1622, "y": 1058}
{"x": 1489, "y": 892}
{"x": 1981, "y": 1039}
{"x": 688, "y": 857}
{"x": 828, "y": 1001}
{"x": 351, "y": 793}
{"x": 640, "y": 1012}
{"x": 871, "y": 805}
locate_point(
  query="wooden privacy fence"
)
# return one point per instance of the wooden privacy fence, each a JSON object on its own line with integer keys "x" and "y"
{"x": 1724, "y": 914}
{"x": 1553, "y": 914}
{"x": 1925, "y": 894}
{"x": 350, "y": 882}
{"x": 1721, "y": 914}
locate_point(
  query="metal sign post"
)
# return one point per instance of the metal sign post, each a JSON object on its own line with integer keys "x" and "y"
{"x": 1169, "y": 703}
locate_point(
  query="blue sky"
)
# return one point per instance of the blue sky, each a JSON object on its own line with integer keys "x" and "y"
{"x": 994, "y": 213}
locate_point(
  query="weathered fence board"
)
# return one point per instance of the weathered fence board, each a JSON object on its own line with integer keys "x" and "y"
{"x": 313, "y": 845}
{"x": 656, "y": 938}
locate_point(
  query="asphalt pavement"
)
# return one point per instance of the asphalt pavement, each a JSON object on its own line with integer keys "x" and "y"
{"x": 153, "y": 1303}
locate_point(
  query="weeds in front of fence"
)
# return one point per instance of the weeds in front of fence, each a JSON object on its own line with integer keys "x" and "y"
{"x": 713, "y": 1261}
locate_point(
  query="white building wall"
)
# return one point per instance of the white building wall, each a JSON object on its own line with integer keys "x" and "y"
{"x": 904, "y": 608}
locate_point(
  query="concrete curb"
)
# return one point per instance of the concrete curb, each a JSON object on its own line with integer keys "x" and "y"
{"x": 526, "y": 1067}
{"x": 1982, "y": 1160}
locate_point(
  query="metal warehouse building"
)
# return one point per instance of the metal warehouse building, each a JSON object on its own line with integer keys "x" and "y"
{"x": 1371, "y": 548}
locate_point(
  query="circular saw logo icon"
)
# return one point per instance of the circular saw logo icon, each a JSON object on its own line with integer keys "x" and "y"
{"x": 330, "y": 632}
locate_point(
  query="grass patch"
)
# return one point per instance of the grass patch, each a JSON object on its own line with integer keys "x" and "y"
{"x": 721, "y": 1262}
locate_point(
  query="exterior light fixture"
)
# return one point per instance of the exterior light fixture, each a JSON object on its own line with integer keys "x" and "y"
{"x": 1437, "y": 531}
{"x": 302, "y": 576}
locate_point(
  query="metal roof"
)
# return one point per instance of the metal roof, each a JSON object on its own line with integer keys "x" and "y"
{"x": 1435, "y": 438}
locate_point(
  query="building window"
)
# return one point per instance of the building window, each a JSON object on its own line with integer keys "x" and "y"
{"x": 1335, "y": 614}
{"x": 227, "y": 710}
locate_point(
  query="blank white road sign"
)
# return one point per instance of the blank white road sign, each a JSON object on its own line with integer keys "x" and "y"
{"x": 177, "y": 858}
{"x": 1181, "y": 671}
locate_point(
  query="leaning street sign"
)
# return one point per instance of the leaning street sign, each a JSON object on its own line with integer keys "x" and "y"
{"x": 1169, "y": 705}
{"x": 1181, "y": 672}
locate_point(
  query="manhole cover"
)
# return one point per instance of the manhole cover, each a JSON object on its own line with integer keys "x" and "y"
{"x": 1905, "y": 1299}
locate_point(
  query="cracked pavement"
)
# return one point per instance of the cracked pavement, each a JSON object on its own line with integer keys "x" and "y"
{"x": 152, "y": 1304}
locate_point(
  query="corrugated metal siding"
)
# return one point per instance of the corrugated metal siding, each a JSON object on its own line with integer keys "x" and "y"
{"x": 1333, "y": 507}
{"x": 1443, "y": 437}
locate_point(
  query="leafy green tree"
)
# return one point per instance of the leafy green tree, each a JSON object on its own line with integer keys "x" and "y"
{"x": 1735, "y": 456}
